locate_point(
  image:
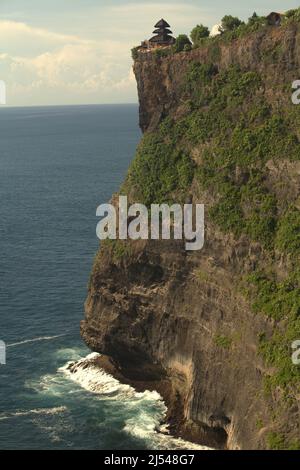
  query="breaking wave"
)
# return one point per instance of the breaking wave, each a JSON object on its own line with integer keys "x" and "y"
{"x": 149, "y": 407}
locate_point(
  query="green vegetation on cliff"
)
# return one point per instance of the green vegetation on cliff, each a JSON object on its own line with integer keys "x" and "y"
{"x": 224, "y": 144}
{"x": 277, "y": 441}
{"x": 198, "y": 33}
{"x": 182, "y": 43}
{"x": 233, "y": 28}
{"x": 237, "y": 132}
{"x": 160, "y": 169}
{"x": 281, "y": 302}
{"x": 220, "y": 129}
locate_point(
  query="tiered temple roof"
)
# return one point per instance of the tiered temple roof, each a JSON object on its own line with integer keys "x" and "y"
{"x": 162, "y": 34}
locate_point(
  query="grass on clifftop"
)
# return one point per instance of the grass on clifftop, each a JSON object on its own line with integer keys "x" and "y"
{"x": 232, "y": 28}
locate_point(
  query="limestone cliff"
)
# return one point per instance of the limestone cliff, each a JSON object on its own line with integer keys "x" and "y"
{"x": 212, "y": 330}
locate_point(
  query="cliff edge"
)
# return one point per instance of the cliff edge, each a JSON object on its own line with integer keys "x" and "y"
{"x": 212, "y": 330}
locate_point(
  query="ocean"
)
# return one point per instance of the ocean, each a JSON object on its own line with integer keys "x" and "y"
{"x": 57, "y": 164}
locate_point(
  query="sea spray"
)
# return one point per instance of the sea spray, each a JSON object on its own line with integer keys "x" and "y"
{"x": 150, "y": 409}
{"x": 94, "y": 379}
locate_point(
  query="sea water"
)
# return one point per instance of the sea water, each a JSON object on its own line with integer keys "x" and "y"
{"x": 57, "y": 164}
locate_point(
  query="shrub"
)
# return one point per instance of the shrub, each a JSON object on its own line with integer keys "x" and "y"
{"x": 159, "y": 169}
{"x": 259, "y": 209}
{"x": 253, "y": 18}
{"x": 294, "y": 444}
{"x": 288, "y": 234}
{"x": 228, "y": 116}
{"x": 198, "y": 33}
{"x": 223, "y": 342}
{"x": 276, "y": 441}
{"x": 293, "y": 14}
{"x": 160, "y": 53}
{"x": 134, "y": 53}
{"x": 230, "y": 23}
{"x": 280, "y": 301}
{"x": 119, "y": 249}
{"x": 248, "y": 207}
{"x": 198, "y": 76}
{"x": 275, "y": 300}
{"x": 187, "y": 47}
{"x": 181, "y": 42}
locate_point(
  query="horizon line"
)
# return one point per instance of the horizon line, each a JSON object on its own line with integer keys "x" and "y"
{"x": 6, "y": 106}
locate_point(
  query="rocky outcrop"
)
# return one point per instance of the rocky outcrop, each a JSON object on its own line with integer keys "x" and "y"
{"x": 178, "y": 321}
{"x": 160, "y": 81}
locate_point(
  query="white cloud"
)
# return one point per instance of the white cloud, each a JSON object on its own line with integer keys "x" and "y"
{"x": 92, "y": 62}
{"x": 15, "y": 28}
{"x": 67, "y": 64}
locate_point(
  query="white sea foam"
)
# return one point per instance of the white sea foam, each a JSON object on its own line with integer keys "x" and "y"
{"x": 35, "y": 412}
{"x": 150, "y": 429}
{"x": 69, "y": 354}
{"x": 145, "y": 412}
{"x": 54, "y": 422}
{"x": 93, "y": 379}
{"x": 149, "y": 407}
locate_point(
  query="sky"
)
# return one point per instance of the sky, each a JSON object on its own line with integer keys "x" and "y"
{"x": 55, "y": 52}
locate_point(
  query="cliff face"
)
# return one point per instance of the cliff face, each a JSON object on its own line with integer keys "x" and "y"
{"x": 212, "y": 330}
{"x": 160, "y": 81}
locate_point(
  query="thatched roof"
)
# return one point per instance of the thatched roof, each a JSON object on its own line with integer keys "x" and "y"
{"x": 162, "y": 39}
{"x": 162, "y": 24}
{"x": 162, "y": 31}
{"x": 274, "y": 18}
{"x": 162, "y": 34}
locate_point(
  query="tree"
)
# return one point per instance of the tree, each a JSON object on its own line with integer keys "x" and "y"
{"x": 135, "y": 53}
{"x": 293, "y": 14}
{"x": 198, "y": 33}
{"x": 254, "y": 18}
{"x": 230, "y": 23}
{"x": 181, "y": 42}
